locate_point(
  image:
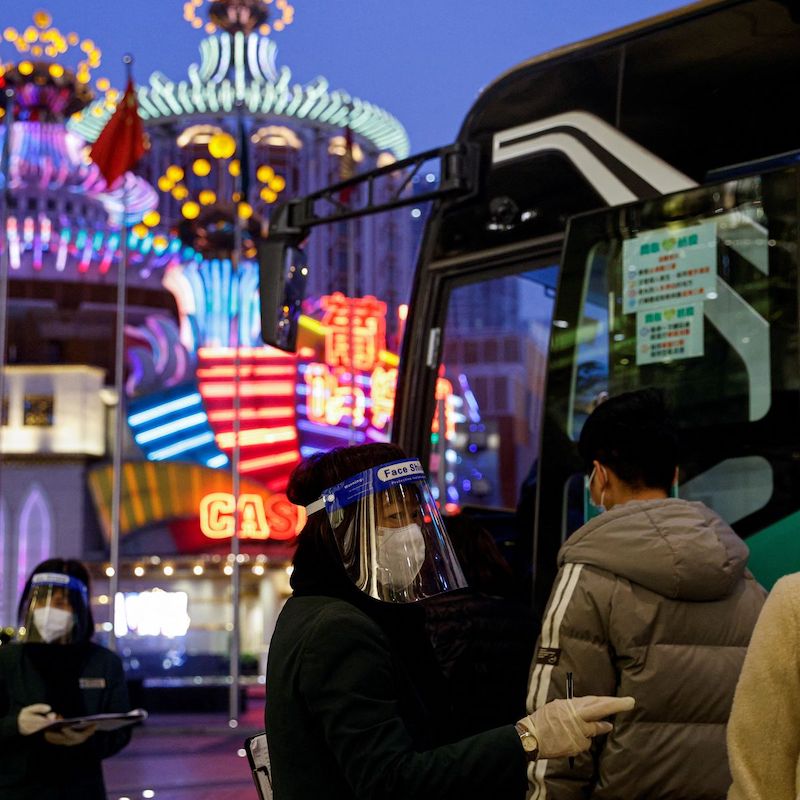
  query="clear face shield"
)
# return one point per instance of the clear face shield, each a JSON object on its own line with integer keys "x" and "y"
{"x": 55, "y": 610}
{"x": 391, "y": 539}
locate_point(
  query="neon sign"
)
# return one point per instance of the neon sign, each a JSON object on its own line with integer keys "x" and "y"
{"x": 347, "y": 378}
{"x": 356, "y": 331}
{"x": 260, "y": 517}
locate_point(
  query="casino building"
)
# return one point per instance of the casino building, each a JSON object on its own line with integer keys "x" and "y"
{"x": 227, "y": 141}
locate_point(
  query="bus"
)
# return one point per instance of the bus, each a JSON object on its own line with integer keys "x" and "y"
{"x": 618, "y": 213}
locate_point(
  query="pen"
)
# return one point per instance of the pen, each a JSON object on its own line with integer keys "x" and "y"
{"x": 570, "y": 691}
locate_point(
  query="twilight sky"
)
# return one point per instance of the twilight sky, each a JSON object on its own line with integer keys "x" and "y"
{"x": 423, "y": 60}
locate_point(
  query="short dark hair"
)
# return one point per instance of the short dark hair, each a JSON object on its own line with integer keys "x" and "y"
{"x": 323, "y": 470}
{"x": 73, "y": 568}
{"x": 634, "y": 435}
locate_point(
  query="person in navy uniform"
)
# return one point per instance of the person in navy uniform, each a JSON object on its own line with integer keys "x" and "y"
{"x": 55, "y": 671}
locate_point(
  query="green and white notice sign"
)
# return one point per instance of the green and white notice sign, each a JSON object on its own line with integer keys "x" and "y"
{"x": 669, "y": 333}
{"x": 669, "y": 267}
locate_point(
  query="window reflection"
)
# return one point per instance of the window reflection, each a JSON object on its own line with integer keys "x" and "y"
{"x": 494, "y": 358}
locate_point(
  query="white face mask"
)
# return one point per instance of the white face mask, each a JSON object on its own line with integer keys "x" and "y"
{"x": 401, "y": 553}
{"x": 52, "y": 623}
{"x": 599, "y": 506}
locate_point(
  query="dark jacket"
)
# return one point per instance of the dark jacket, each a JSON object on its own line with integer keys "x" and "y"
{"x": 653, "y": 600}
{"x": 483, "y": 645}
{"x": 345, "y": 720}
{"x": 74, "y": 679}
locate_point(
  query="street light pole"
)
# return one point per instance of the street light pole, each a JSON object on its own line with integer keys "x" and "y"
{"x": 7, "y": 104}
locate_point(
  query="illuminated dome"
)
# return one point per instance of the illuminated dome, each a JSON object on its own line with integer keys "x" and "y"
{"x": 238, "y": 67}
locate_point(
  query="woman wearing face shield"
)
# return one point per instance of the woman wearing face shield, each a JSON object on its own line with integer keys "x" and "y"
{"x": 355, "y": 704}
{"x": 55, "y": 671}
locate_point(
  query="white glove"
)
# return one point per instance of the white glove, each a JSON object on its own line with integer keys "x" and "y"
{"x": 69, "y": 737}
{"x": 565, "y": 727}
{"x": 33, "y": 718}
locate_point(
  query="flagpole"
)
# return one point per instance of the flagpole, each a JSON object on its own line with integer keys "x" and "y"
{"x": 119, "y": 388}
{"x": 7, "y": 600}
{"x": 236, "y": 257}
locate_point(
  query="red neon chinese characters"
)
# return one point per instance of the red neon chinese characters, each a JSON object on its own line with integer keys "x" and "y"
{"x": 383, "y": 390}
{"x": 329, "y": 400}
{"x": 356, "y": 331}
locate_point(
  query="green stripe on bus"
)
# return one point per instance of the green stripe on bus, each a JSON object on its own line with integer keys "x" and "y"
{"x": 775, "y": 551}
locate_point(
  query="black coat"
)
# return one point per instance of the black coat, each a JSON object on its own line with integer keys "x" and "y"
{"x": 484, "y": 646}
{"x": 347, "y": 718}
{"x": 74, "y": 679}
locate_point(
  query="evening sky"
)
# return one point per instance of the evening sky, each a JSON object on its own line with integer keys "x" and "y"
{"x": 423, "y": 60}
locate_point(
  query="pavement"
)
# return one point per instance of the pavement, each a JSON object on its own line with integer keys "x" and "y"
{"x": 187, "y": 756}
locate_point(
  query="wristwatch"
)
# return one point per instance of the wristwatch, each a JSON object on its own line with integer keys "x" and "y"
{"x": 530, "y": 744}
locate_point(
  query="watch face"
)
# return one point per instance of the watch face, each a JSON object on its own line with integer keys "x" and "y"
{"x": 529, "y": 743}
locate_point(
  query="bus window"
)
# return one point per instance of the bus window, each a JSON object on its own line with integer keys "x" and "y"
{"x": 490, "y": 388}
{"x": 695, "y": 293}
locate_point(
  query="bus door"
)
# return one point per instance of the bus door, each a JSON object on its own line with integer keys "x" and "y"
{"x": 495, "y": 328}
{"x": 696, "y": 293}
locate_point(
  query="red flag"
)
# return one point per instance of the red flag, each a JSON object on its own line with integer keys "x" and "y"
{"x": 121, "y": 143}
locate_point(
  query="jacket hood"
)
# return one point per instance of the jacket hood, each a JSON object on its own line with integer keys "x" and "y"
{"x": 678, "y": 549}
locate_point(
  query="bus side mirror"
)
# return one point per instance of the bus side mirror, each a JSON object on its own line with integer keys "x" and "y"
{"x": 283, "y": 271}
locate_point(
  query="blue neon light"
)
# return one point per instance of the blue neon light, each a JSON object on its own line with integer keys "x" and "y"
{"x": 165, "y": 408}
{"x": 181, "y": 447}
{"x": 169, "y": 428}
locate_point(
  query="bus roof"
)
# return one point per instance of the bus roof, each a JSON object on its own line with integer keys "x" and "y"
{"x": 719, "y": 68}
{"x": 610, "y": 38}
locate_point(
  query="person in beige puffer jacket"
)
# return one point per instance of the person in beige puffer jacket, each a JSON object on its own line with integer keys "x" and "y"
{"x": 653, "y": 599}
{"x": 764, "y": 729}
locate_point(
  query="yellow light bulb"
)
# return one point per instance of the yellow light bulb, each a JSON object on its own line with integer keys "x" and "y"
{"x": 265, "y": 174}
{"x": 165, "y": 184}
{"x": 277, "y": 184}
{"x": 140, "y": 230}
{"x": 160, "y": 242}
{"x": 10, "y": 35}
{"x": 234, "y": 168}
{"x": 245, "y": 210}
{"x": 36, "y": 50}
{"x": 25, "y": 68}
{"x": 190, "y": 210}
{"x": 267, "y": 195}
{"x": 42, "y": 19}
{"x": 151, "y": 218}
{"x": 72, "y": 38}
{"x": 201, "y": 167}
{"x": 180, "y": 192}
{"x": 30, "y": 35}
{"x": 56, "y": 70}
{"x": 103, "y": 84}
{"x": 174, "y": 173}
{"x": 222, "y": 145}
{"x": 207, "y": 197}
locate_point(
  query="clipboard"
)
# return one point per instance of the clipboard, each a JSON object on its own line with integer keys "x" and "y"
{"x": 104, "y": 722}
{"x": 258, "y": 758}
